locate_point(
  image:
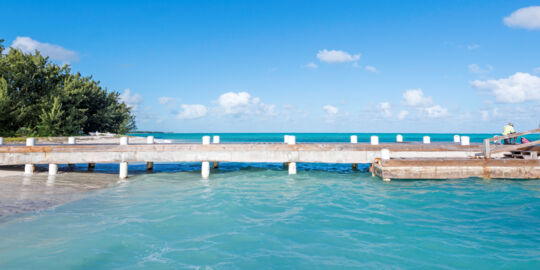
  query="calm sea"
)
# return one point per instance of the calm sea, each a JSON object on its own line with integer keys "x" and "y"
{"x": 255, "y": 216}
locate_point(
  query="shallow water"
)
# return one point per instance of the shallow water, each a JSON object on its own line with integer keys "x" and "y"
{"x": 256, "y": 216}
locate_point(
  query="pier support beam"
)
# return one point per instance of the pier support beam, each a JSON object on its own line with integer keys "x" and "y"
{"x": 91, "y": 166}
{"x": 292, "y": 167}
{"x": 29, "y": 169}
{"x": 53, "y": 169}
{"x": 399, "y": 138}
{"x": 355, "y": 166}
{"x": 215, "y": 140}
{"x": 150, "y": 164}
{"x": 123, "y": 170}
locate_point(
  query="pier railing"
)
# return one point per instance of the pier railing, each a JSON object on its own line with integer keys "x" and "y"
{"x": 493, "y": 148}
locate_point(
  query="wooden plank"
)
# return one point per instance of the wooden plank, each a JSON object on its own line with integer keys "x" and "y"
{"x": 509, "y": 148}
{"x": 498, "y": 138}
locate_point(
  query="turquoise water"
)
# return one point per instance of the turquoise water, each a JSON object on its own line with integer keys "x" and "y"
{"x": 255, "y": 216}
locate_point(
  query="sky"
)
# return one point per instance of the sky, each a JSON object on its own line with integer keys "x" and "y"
{"x": 298, "y": 66}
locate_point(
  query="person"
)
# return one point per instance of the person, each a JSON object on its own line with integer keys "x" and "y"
{"x": 507, "y": 130}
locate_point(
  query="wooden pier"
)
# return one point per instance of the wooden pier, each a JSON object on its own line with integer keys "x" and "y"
{"x": 400, "y": 160}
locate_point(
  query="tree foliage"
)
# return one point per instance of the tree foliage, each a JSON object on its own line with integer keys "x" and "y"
{"x": 40, "y": 98}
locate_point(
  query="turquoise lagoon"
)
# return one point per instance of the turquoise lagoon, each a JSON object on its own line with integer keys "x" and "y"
{"x": 255, "y": 216}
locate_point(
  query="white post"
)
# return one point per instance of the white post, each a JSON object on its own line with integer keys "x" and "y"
{"x": 354, "y": 139}
{"x": 385, "y": 154}
{"x": 374, "y": 140}
{"x": 30, "y": 168}
{"x": 291, "y": 140}
{"x": 215, "y": 139}
{"x": 206, "y": 140}
{"x": 205, "y": 169}
{"x": 292, "y": 167}
{"x": 1, "y": 140}
{"x": 456, "y": 139}
{"x": 150, "y": 140}
{"x": 465, "y": 140}
{"x": 124, "y": 140}
{"x": 426, "y": 140}
{"x": 71, "y": 140}
{"x": 53, "y": 169}
{"x": 399, "y": 138}
{"x": 286, "y": 139}
{"x": 123, "y": 170}
{"x": 149, "y": 164}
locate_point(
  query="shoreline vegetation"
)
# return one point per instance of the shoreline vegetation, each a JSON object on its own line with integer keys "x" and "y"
{"x": 39, "y": 98}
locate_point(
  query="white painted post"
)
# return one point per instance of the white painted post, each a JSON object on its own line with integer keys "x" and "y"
{"x": 1, "y": 140}
{"x": 286, "y": 139}
{"x": 206, "y": 140}
{"x": 53, "y": 169}
{"x": 385, "y": 154}
{"x": 215, "y": 139}
{"x": 205, "y": 169}
{"x": 71, "y": 140}
{"x": 150, "y": 140}
{"x": 291, "y": 140}
{"x": 456, "y": 139}
{"x": 123, "y": 170}
{"x": 465, "y": 140}
{"x": 124, "y": 140}
{"x": 292, "y": 167}
{"x": 354, "y": 139}
{"x": 149, "y": 164}
{"x": 29, "y": 169}
{"x": 426, "y": 140}
{"x": 399, "y": 138}
{"x": 374, "y": 140}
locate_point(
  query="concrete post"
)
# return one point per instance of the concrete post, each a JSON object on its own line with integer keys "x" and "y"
{"x": 124, "y": 140}
{"x": 355, "y": 166}
{"x": 286, "y": 139}
{"x": 399, "y": 138}
{"x": 464, "y": 140}
{"x": 292, "y": 167}
{"x": 1, "y": 140}
{"x": 354, "y": 139}
{"x": 123, "y": 170}
{"x": 91, "y": 166}
{"x": 205, "y": 169}
{"x": 374, "y": 140}
{"x": 215, "y": 139}
{"x": 29, "y": 169}
{"x": 487, "y": 149}
{"x": 291, "y": 140}
{"x": 385, "y": 154}
{"x": 149, "y": 164}
{"x": 53, "y": 169}
{"x": 71, "y": 140}
{"x": 426, "y": 140}
{"x": 456, "y": 139}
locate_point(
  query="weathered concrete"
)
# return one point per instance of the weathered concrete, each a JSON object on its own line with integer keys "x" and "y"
{"x": 456, "y": 168}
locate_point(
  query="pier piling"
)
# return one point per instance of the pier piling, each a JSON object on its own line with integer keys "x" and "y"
{"x": 426, "y": 140}
{"x": 53, "y": 169}
{"x": 149, "y": 164}
{"x": 456, "y": 139}
{"x": 354, "y": 139}
{"x": 374, "y": 140}
{"x": 29, "y": 169}
{"x": 292, "y": 167}
{"x": 215, "y": 140}
{"x": 205, "y": 166}
{"x": 464, "y": 140}
{"x": 123, "y": 170}
{"x": 399, "y": 138}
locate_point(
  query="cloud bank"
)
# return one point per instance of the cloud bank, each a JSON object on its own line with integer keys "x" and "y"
{"x": 54, "y": 52}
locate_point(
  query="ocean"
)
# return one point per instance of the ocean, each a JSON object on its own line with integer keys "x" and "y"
{"x": 256, "y": 216}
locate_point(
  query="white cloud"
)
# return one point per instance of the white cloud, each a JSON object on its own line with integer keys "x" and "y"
{"x": 476, "y": 69}
{"x": 519, "y": 87}
{"x": 402, "y": 114}
{"x": 131, "y": 100}
{"x": 54, "y": 52}
{"x": 192, "y": 111}
{"x": 330, "y": 110}
{"x": 336, "y": 56}
{"x": 311, "y": 65}
{"x": 473, "y": 47}
{"x": 484, "y": 115}
{"x": 164, "y": 100}
{"x": 416, "y": 98}
{"x": 371, "y": 69}
{"x": 528, "y": 18}
{"x": 242, "y": 103}
{"x": 385, "y": 109}
{"x": 435, "y": 111}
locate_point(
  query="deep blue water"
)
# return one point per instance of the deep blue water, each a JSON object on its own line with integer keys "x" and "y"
{"x": 255, "y": 216}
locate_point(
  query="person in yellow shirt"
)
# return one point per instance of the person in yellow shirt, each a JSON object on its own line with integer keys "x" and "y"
{"x": 507, "y": 130}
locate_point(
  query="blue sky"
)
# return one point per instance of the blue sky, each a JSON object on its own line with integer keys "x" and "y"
{"x": 299, "y": 66}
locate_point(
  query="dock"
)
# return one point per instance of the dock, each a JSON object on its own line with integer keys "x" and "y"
{"x": 397, "y": 160}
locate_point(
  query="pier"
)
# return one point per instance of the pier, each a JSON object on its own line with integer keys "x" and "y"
{"x": 399, "y": 160}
